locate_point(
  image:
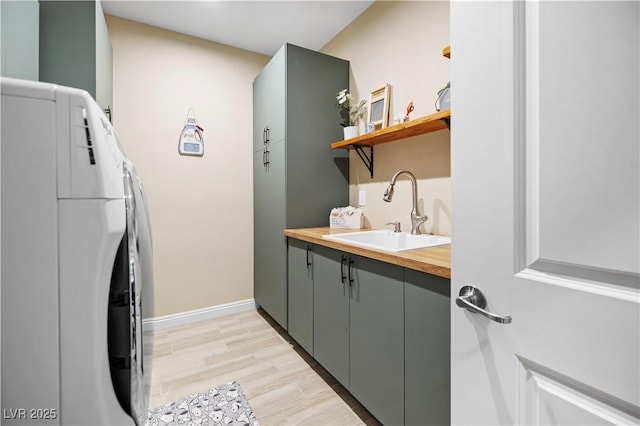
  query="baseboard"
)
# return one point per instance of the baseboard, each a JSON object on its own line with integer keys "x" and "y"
{"x": 183, "y": 318}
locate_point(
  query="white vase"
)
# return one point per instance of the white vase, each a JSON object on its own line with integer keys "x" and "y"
{"x": 350, "y": 132}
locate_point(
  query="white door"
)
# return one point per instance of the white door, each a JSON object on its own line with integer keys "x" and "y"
{"x": 545, "y": 159}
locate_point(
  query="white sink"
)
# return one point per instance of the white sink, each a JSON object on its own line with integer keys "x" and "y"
{"x": 383, "y": 239}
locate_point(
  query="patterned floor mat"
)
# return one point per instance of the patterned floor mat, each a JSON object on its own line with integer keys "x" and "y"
{"x": 222, "y": 405}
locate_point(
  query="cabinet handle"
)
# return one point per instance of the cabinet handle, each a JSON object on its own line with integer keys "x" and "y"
{"x": 308, "y": 261}
{"x": 268, "y": 135}
{"x": 265, "y": 141}
{"x": 342, "y": 262}
{"x": 350, "y": 275}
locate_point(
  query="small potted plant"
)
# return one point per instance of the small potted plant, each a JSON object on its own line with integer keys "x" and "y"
{"x": 350, "y": 112}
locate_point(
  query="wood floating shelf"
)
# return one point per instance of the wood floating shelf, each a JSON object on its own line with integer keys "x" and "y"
{"x": 419, "y": 126}
{"x": 431, "y": 123}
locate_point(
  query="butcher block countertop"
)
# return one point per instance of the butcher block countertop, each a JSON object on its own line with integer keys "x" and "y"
{"x": 432, "y": 260}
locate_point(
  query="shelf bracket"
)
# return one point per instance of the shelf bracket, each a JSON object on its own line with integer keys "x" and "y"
{"x": 447, "y": 121}
{"x": 367, "y": 160}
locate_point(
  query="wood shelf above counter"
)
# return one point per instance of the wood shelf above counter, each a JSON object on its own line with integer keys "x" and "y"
{"x": 431, "y": 123}
{"x": 419, "y": 126}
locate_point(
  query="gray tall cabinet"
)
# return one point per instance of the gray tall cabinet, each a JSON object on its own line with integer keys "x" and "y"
{"x": 75, "y": 49}
{"x": 297, "y": 177}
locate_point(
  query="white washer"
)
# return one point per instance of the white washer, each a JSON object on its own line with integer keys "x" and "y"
{"x": 76, "y": 264}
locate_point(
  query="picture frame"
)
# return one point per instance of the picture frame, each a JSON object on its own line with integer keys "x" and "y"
{"x": 378, "y": 111}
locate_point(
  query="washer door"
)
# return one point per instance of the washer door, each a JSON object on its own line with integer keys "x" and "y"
{"x": 125, "y": 317}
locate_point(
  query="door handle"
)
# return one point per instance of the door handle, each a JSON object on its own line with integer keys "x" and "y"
{"x": 350, "y": 269}
{"x": 308, "y": 261}
{"x": 472, "y": 299}
{"x": 343, "y": 260}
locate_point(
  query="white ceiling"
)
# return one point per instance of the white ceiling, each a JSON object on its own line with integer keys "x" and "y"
{"x": 257, "y": 26}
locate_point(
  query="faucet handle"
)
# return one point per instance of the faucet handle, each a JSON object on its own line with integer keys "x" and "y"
{"x": 396, "y": 226}
{"x": 416, "y": 221}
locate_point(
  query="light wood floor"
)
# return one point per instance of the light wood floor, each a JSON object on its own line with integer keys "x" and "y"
{"x": 283, "y": 384}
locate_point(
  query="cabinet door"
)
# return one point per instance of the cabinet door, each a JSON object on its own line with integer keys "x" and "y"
{"x": 377, "y": 338}
{"x": 300, "y": 290}
{"x": 75, "y": 49}
{"x": 427, "y": 348}
{"x": 268, "y": 101}
{"x": 331, "y": 313}
{"x": 104, "y": 62}
{"x": 270, "y": 245}
{"x": 19, "y": 39}
{"x": 313, "y": 121}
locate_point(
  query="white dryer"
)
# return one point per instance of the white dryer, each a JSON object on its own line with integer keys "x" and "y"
{"x": 76, "y": 269}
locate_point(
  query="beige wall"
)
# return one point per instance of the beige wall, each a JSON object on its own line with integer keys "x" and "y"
{"x": 400, "y": 43}
{"x": 201, "y": 208}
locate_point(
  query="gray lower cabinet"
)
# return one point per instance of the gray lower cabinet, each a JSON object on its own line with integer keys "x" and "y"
{"x": 381, "y": 330}
{"x": 427, "y": 349}
{"x": 358, "y": 328}
{"x": 331, "y": 312}
{"x": 376, "y": 338}
{"x": 300, "y": 292}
